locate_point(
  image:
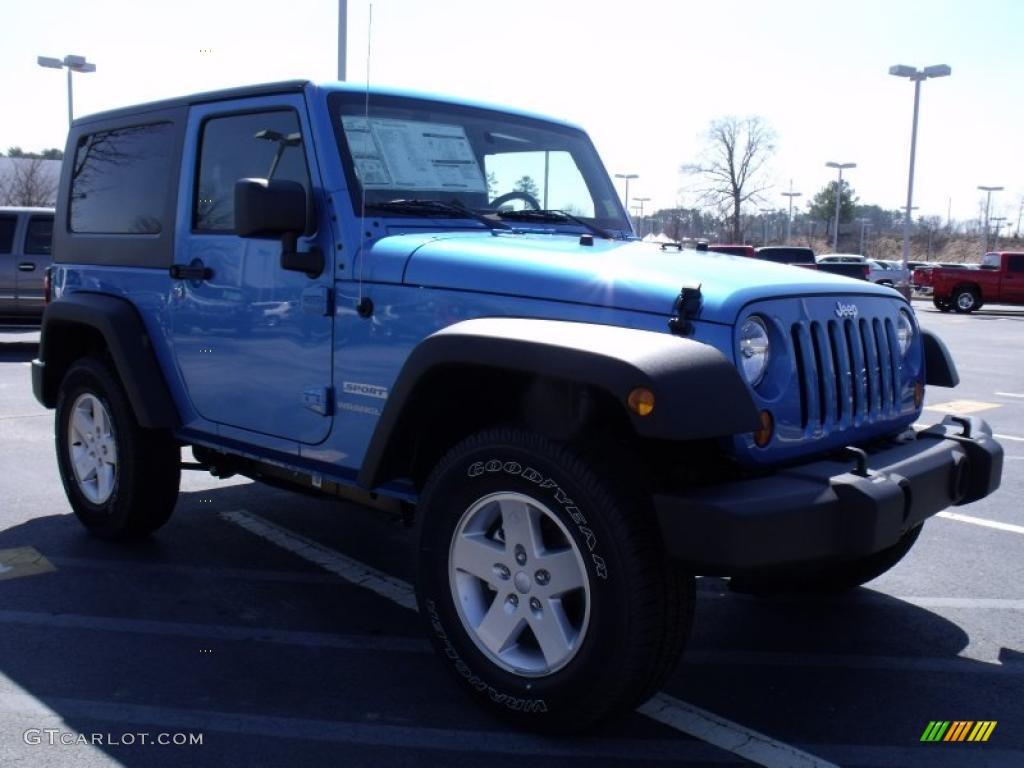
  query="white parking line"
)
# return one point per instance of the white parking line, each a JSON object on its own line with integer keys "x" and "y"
{"x": 670, "y": 711}
{"x": 1009, "y": 394}
{"x": 748, "y": 744}
{"x": 395, "y": 590}
{"x": 982, "y": 522}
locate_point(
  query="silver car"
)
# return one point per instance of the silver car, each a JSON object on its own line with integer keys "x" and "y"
{"x": 25, "y": 243}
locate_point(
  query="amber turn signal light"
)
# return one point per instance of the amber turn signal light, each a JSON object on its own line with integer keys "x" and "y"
{"x": 764, "y": 435}
{"x": 641, "y": 401}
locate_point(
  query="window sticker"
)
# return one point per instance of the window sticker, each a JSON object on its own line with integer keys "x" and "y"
{"x": 409, "y": 155}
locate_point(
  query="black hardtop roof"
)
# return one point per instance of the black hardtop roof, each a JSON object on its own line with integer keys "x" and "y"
{"x": 241, "y": 92}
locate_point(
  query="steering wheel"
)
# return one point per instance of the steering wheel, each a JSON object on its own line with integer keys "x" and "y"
{"x": 508, "y": 197}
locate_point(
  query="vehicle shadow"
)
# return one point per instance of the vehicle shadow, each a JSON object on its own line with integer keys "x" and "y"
{"x": 859, "y": 668}
{"x": 116, "y": 632}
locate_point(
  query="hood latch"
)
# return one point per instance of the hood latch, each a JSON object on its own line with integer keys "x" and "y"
{"x": 685, "y": 309}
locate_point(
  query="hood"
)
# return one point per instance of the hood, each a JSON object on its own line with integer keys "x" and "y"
{"x": 628, "y": 275}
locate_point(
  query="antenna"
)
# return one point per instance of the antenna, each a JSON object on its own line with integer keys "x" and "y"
{"x": 364, "y": 306}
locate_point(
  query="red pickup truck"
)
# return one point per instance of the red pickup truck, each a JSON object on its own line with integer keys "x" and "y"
{"x": 999, "y": 279}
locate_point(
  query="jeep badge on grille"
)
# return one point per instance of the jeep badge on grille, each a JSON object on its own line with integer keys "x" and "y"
{"x": 846, "y": 310}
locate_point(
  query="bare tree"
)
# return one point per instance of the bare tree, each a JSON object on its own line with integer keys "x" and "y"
{"x": 731, "y": 165}
{"x": 30, "y": 182}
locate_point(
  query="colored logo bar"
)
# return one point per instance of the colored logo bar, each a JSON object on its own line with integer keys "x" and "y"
{"x": 959, "y": 730}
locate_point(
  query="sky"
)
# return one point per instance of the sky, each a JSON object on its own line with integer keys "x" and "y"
{"x": 644, "y": 77}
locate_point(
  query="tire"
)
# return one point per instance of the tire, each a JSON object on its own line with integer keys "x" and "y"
{"x": 833, "y": 578}
{"x": 965, "y": 300}
{"x": 942, "y": 305}
{"x": 125, "y": 482}
{"x": 626, "y": 610}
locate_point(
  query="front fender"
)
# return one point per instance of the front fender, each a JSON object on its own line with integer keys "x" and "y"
{"x": 698, "y": 391}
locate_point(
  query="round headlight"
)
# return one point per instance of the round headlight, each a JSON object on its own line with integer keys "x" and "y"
{"x": 754, "y": 348}
{"x": 904, "y": 331}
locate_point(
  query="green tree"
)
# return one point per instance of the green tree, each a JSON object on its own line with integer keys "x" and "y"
{"x": 823, "y": 206}
{"x": 527, "y": 186}
{"x": 46, "y": 154}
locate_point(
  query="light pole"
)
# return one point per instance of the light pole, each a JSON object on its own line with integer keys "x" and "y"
{"x": 988, "y": 204}
{"x": 997, "y": 222}
{"x": 641, "y": 200}
{"x": 789, "y": 221}
{"x": 916, "y": 76}
{"x": 839, "y": 197}
{"x": 342, "y": 38}
{"x": 764, "y": 220}
{"x": 73, "y": 64}
{"x": 627, "y": 177}
{"x": 863, "y": 226}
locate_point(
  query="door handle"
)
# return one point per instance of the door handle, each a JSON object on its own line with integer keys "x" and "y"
{"x": 26, "y": 266}
{"x": 196, "y": 271}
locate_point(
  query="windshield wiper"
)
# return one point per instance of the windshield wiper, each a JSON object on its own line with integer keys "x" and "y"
{"x": 449, "y": 209}
{"x": 555, "y": 216}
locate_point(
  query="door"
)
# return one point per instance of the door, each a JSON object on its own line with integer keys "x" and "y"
{"x": 253, "y": 341}
{"x": 36, "y": 247}
{"x": 1013, "y": 280}
{"x": 8, "y": 225}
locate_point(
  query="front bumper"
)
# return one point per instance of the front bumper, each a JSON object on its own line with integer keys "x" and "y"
{"x": 835, "y": 509}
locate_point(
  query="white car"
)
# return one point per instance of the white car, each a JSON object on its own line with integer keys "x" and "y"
{"x": 895, "y": 273}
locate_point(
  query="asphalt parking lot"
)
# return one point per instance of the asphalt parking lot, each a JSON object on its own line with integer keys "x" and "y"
{"x": 275, "y": 627}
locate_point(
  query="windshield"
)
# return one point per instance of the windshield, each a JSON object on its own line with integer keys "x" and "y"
{"x": 990, "y": 261}
{"x": 409, "y": 149}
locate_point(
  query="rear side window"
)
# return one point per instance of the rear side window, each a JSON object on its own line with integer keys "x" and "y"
{"x": 39, "y": 238}
{"x": 7, "y": 225}
{"x": 120, "y": 180}
{"x": 1016, "y": 263}
{"x": 261, "y": 145}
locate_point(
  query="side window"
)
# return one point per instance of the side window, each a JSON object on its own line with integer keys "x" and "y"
{"x": 7, "y": 225}
{"x": 1016, "y": 264}
{"x": 120, "y": 180}
{"x": 39, "y": 238}
{"x": 261, "y": 145}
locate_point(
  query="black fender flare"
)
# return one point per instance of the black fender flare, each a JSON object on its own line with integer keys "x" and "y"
{"x": 698, "y": 392}
{"x": 939, "y": 368}
{"x": 119, "y": 324}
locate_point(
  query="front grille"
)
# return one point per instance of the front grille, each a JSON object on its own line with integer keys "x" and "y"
{"x": 848, "y": 372}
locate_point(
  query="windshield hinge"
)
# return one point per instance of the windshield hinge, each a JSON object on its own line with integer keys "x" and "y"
{"x": 685, "y": 309}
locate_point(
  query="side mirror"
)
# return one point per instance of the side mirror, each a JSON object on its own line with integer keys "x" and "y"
{"x": 269, "y": 208}
{"x": 277, "y": 208}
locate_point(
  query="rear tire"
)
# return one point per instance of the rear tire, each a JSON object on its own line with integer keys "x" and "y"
{"x": 567, "y": 547}
{"x": 122, "y": 480}
{"x": 966, "y": 300}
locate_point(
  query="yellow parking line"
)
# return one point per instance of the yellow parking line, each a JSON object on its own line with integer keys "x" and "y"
{"x": 23, "y": 561}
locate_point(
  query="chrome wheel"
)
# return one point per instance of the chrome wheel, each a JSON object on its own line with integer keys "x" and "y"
{"x": 92, "y": 448}
{"x": 965, "y": 301}
{"x": 519, "y": 584}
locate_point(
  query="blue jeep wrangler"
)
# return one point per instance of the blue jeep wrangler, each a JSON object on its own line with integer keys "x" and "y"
{"x": 444, "y": 304}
